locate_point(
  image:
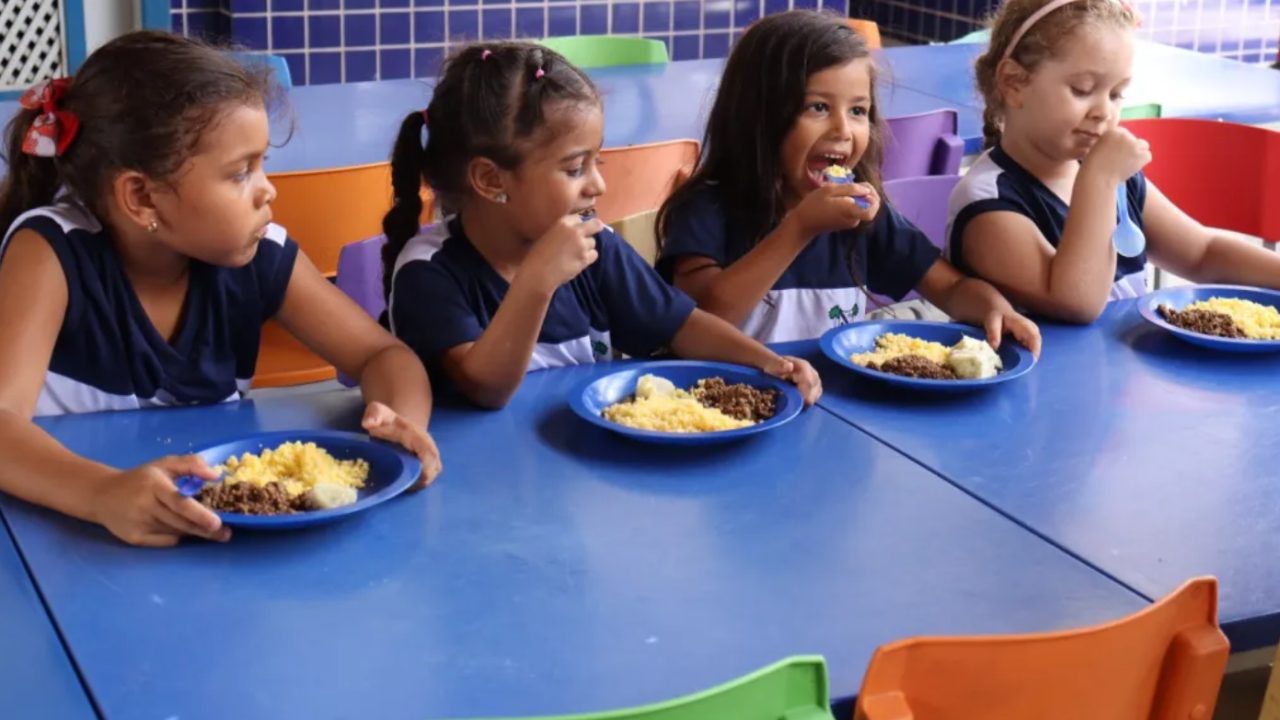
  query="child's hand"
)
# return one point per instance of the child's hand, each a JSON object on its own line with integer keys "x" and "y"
{"x": 142, "y": 506}
{"x": 1118, "y": 155}
{"x": 384, "y": 423}
{"x": 1006, "y": 320}
{"x": 563, "y": 252}
{"x": 831, "y": 208}
{"x": 800, "y": 373}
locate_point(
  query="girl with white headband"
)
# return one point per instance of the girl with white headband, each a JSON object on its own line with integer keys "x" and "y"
{"x": 1037, "y": 212}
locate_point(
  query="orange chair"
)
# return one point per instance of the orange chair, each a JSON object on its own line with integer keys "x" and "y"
{"x": 1161, "y": 663}
{"x": 322, "y": 210}
{"x": 1222, "y": 174}
{"x": 640, "y": 177}
{"x": 869, "y": 31}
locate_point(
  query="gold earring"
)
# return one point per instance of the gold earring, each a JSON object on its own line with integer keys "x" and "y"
{"x": 153, "y": 226}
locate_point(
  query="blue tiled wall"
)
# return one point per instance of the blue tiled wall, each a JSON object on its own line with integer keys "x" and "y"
{"x": 1244, "y": 30}
{"x": 327, "y": 41}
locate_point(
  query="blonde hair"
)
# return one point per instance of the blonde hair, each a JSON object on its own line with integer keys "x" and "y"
{"x": 1041, "y": 41}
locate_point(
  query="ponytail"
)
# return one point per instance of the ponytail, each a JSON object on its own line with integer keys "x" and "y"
{"x": 32, "y": 181}
{"x": 400, "y": 223}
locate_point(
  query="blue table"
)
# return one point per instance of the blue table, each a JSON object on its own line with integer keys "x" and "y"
{"x": 553, "y": 568}
{"x": 37, "y": 679}
{"x": 1149, "y": 459}
{"x": 1185, "y": 83}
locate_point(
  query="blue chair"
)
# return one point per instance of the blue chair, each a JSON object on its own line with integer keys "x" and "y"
{"x": 277, "y": 64}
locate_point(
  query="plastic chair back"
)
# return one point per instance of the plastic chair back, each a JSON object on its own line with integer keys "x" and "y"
{"x": 1141, "y": 112}
{"x": 1164, "y": 662}
{"x": 597, "y": 51}
{"x": 869, "y": 31}
{"x": 923, "y": 201}
{"x": 323, "y": 210}
{"x": 360, "y": 277}
{"x": 923, "y": 144}
{"x": 641, "y": 233}
{"x": 1222, "y": 174}
{"x": 640, "y": 177}
{"x": 326, "y": 209}
{"x": 277, "y": 64}
{"x": 793, "y": 689}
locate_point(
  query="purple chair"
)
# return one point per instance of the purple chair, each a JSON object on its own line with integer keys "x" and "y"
{"x": 924, "y": 144}
{"x": 360, "y": 277}
{"x": 923, "y": 201}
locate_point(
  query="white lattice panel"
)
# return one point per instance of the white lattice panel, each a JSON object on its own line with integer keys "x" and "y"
{"x": 1245, "y": 30}
{"x": 31, "y": 42}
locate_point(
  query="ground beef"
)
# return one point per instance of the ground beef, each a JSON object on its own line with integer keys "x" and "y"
{"x": 249, "y": 499}
{"x": 1204, "y": 322}
{"x": 739, "y": 401}
{"x": 914, "y": 366}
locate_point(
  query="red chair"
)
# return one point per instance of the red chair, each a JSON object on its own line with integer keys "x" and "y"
{"x": 1222, "y": 174}
{"x": 1164, "y": 662}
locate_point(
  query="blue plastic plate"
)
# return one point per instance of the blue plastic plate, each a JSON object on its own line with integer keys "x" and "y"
{"x": 840, "y": 343}
{"x": 592, "y": 397}
{"x": 391, "y": 472}
{"x": 1183, "y": 295}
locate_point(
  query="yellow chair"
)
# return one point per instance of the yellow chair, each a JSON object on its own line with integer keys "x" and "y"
{"x": 641, "y": 233}
{"x": 869, "y": 31}
{"x": 322, "y": 210}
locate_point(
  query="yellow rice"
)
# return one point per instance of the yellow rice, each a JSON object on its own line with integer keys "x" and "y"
{"x": 679, "y": 413}
{"x": 892, "y": 345}
{"x": 1259, "y": 322}
{"x": 298, "y": 466}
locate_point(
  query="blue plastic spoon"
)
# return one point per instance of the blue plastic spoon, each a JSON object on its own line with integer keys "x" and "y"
{"x": 1128, "y": 238}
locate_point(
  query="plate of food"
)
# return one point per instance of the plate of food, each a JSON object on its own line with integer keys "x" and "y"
{"x": 1220, "y": 317}
{"x": 685, "y": 402}
{"x": 285, "y": 480}
{"x": 940, "y": 357}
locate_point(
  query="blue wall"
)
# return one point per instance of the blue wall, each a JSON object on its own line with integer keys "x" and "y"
{"x": 328, "y": 41}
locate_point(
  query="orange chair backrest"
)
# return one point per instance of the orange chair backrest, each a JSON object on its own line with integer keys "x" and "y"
{"x": 640, "y": 177}
{"x": 326, "y": 209}
{"x": 1163, "y": 662}
{"x": 1222, "y": 174}
{"x": 869, "y": 31}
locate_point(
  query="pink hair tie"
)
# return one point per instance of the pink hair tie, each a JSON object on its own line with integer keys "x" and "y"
{"x": 485, "y": 55}
{"x": 538, "y": 75}
{"x": 1029, "y": 22}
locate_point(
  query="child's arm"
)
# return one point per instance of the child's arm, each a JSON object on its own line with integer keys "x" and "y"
{"x": 392, "y": 380}
{"x": 489, "y": 370}
{"x": 706, "y": 337}
{"x": 1073, "y": 282}
{"x": 140, "y": 506}
{"x": 1186, "y": 248}
{"x": 732, "y": 293}
{"x": 978, "y": 303}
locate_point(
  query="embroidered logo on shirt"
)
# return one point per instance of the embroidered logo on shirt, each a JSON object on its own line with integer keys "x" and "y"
{"x": 838, "y": 315}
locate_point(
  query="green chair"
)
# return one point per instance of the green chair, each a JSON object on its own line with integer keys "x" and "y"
{"x": 1141, "y": 112}
{"x": 793, "y": 689}
{"x": 596, "y": 51}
